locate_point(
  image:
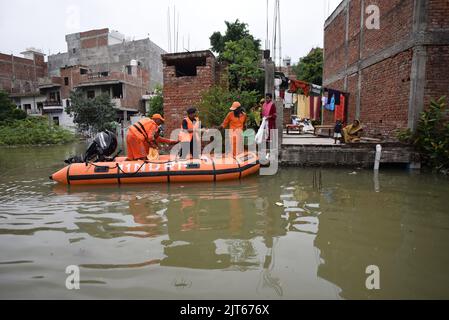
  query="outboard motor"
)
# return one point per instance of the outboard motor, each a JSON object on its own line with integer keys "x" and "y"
{"x": 101, "y": 149}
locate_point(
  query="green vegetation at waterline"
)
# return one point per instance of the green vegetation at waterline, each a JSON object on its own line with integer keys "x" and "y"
{"x": 33, "y": 131}
{"x": 8, "y": 110}
{"x": 431, "y": 138}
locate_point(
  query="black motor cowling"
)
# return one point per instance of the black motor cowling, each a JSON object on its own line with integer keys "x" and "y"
{"x": 101, "y": 148}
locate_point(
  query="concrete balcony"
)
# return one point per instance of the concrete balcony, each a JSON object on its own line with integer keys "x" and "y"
{"x": 52, "y": 107}
{"x": 49, "y": 83}
{"x": 51, "y": 103}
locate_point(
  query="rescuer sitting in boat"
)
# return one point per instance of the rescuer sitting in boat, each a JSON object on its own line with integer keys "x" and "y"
{"x": 144, "y": 135}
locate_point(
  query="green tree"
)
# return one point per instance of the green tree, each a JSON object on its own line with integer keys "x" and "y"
{"x": 93, "y": 115}
{"x": 310, "y": 67}
{"x": 243, "y": 58}
{"x": 431, "y": 137}
{"x": 157, "y": 102}
{"x": 235, "y": 31}
{"x": 241, "y": 51}
{"x": 8, "y": 110}
{"x": 215, "y": 104}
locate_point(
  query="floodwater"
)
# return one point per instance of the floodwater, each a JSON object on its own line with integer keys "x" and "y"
{"x": 225, "y": 241}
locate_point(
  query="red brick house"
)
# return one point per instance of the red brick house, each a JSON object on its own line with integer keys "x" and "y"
{"x": 186, "y": 77}
{"x": 393, "y": 72}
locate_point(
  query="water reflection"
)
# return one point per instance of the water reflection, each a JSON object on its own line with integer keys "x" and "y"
{"x": 402, "y": 235}
{"x": 305, "y": 233}
{"x": 207, "y": 228}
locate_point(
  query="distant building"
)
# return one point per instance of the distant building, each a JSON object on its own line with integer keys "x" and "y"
{"x": 19, "y": 78}
{"x": 97, "y": 61}
{"x": 393, "y": 72}
{"x": 103, "y": 50}
{"x": 126, "y": 89}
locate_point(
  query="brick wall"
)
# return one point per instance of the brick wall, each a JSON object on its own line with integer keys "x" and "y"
{"x": 180, "y": 93}
{"x": 353, "y": 32}
{"x": 386, "y": 74}
{"x": 437, "y": 67}
{"x": 334, "y": 38}
{"x": 385, "y": 95}
{"x": 396, "y": 19}
{"x": 353, "y": 81}
{"x": 20, "y": 75}
{"x": 437, "y": 73}
{"x": 94, "y": 38}
{"x": 438, "y": 15}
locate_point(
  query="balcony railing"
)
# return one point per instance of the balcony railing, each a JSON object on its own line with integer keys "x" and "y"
{"x": 97, "y": 75}
{"x": 52, "y": 104}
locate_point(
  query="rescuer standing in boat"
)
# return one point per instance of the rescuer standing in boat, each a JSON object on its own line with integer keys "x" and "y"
{"x": 236, "y": 122}
{"x": 190, "y": 130}
{"x": 144, "y": 135}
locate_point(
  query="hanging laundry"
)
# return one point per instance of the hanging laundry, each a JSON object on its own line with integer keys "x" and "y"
{"x": 324, "y": 101}
{"x": 282, "y": 94}
{"x": 312, "y": 107}
{"x": 288, "y": 100}
{"x": 340, "y": 110}
{"x": 336, "y": 94}
{"x": 315, "y": 90}
{"x": 303, "y": 107}
{"x": 297, "y": 84}
{"x": 331, "y": 105}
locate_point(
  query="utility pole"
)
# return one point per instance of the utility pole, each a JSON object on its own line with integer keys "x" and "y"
{"x": 280, "y": 34}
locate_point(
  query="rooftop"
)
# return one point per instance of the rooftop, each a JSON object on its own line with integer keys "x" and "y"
{"x": 336, "y": 12}
{"x": 187, "y": 55}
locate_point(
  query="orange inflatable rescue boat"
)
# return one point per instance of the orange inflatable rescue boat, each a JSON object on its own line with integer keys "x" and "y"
{"x": 97, "y": 167}
{"x": 160, "y": 171}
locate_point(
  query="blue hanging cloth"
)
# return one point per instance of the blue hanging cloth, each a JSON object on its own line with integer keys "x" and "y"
{"x": 331, "y": 105}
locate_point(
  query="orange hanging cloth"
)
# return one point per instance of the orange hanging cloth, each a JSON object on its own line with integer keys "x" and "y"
{"x": 340, "y": 109}
{"x": 296, "y": 84}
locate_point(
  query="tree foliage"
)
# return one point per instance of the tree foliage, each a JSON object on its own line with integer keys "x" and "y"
{"x": 431, "y": 138}
{"x": 216, "y": 102}
{"x": 310, "y": 67}
{"x": 8, "y": 110}
{"x": 241, "y": 51}
{"x": 157, "y": 102}
{"x": 235, "y": 31}
{"x": 243, "y": 58}
{"x": 33, "y": 131}
{"x": 94, "y": 115}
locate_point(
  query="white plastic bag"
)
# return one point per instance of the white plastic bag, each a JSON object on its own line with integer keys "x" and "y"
{"x": 262, "y": 134}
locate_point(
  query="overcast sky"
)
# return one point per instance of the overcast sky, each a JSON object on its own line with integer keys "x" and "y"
{"x": 43, "y": 24}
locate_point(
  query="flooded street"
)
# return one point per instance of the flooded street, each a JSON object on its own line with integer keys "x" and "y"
{"x": 303, "y": 234}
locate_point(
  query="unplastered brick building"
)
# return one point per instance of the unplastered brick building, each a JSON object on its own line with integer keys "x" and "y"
{"x": 19, "y": 77}
{"x": 390, "y": 73}
{"x": 126, "y": 90}
{"x": 186, "y": 77}
{"x": 107, "y": 50}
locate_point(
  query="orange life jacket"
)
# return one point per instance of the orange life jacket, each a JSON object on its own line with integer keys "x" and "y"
{"x": 184, "y": 135}
{"x": 144, "y": 129}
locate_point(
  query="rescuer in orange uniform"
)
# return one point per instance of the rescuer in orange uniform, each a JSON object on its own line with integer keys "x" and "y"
{"x": 190, "y": 132}
{"x": 144, "y": 135}
{"x": 236, "y": 122}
